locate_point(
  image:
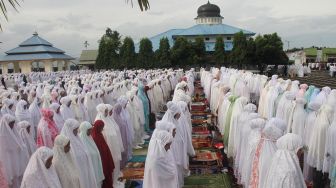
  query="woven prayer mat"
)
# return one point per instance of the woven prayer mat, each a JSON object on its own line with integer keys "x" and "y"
{"x": 138, "y": 158}
{"x": 142, "y": 151}
{"x": 208, "y": 181}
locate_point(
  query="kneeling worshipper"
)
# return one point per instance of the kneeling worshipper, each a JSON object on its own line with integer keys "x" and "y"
{"x": 160, "y": 171}
{"x": 47, "y": 129}
{"x": 25, "y": 131}
{"x": 85, "y": 130}
{"x": 105, "y": 154}
{"x": 13, "y": 152}
{"x": 82, "y": 158}
{"x": 173, "y": 115}
{"x": 285, "y": 170}
{"x": 40, "y": 172}
{"x": 65, "y": 165}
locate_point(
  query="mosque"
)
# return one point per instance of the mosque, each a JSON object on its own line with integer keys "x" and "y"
{"x": 209, "y": 25}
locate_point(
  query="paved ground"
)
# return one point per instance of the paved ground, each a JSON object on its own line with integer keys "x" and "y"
{"x": 318, "y": 79}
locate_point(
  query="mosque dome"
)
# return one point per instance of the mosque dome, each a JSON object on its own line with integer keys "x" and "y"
{"x": 208, "y": 10}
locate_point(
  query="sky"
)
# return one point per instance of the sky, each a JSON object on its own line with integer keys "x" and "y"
{"x": 69, "y": 23}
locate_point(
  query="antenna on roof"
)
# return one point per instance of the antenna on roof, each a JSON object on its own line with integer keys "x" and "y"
{"x": 35, "y": 33}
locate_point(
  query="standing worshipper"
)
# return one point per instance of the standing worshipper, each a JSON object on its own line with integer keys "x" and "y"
{"x": 160, "y": 171}
{"x": 40, "y": 172}
{"x": 285, "y": 170}
{"x": 86, "y": 172}
{"x": 47, "y": 129}
{"x": 85, "y": 131}
{"x": 65, "y": 110}
{"x": 8, "y": 107}
{"x": 105, "y": 154}
{"x": 22, "y": 112}
{"x": 25, "y": 131}
{"x": 145, "y": 102}
{"x": 64, "y": 163}
{"x": 35, "y": 111}
{"x": 127, "y": 143}
{"x": 58, "y": 118}
{"x": 172, "y": 115}
{"x": 13, "y": 152}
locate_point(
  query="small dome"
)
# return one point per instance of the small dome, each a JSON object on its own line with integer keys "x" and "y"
{"x": 208, "y": 10}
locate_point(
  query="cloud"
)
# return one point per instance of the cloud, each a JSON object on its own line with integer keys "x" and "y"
{"x": 68, "y": 24}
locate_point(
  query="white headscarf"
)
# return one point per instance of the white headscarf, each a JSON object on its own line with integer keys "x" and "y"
{"x": 65, "y": 110}
{"x": 285, "y": 170}
{"x": 21, "y": 113}
{"x": 159, "y": 170}
{"x": 80, "y": 154}
{"x": 37, "y": 175}
{"x": 58, "y": 118}
{"x": 13, "y": 152}
{"x": 65, "y": 165}
{"x": 26, "y": 137}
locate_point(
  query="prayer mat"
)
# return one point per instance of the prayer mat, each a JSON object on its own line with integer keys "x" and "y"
{"x": 208, "y": 181}
{"x": 138, "y": 158}
{"x": 135, "y": 165}
{"x": 206, "y": 155}
{"x": 133, "y": 173}
{"x": 142, "y": 151}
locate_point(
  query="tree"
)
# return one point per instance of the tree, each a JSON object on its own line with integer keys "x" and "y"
{"x": 250, "y": 58}
{"x": 239, "y": 50}
{"x": 199, "y": 51}
{"x": 269, "y": 50}
{"x": 163, "y": 54}
{"x": 219, "y": 51}
{"x": 108, "y": 52}
{"x": 146, "y": 54}
{"x": 181, "y": 52}
{"x": 127, "y": 53}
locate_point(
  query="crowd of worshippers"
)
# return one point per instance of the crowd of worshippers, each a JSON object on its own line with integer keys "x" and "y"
{"x": 78, "y": 129}
{"x": 279, "y": 133}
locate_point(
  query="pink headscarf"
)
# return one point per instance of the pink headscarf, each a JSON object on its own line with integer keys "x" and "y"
{"x": 47, "y": 117}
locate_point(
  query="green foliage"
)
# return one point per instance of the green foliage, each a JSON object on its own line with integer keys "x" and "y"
{"x": 219, "y": 53}
{"x": 181, "y": 52}
{"x": 146, "y": 54}
{"x": 163, "y": 54}
{"x": 108, "y": 52}
{"x": 127, "y": 53}
{"x": 269, "y": 50}
{"x": 239, "y": 51}
{"x": 198, "y": 51}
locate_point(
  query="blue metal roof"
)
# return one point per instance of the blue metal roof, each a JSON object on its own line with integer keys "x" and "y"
{"x": 35, "y": 40}
{"x": 198, "y": 30}
{"x": 28, "y": 57}
{"x": 215, "y": 29}
{"x": 35, "y": 48}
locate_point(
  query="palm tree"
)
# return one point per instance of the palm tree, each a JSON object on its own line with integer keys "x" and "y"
{"x": 143, "y": 4}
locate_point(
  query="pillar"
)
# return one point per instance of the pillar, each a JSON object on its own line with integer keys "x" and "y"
{"x": 4, "y": 68}
{"x": 66, "y": 65}
{"x": 60, "y": 65}
{"x": 26, "y": 66}
{"x": 48, "y": 66}
{"x": 16, "y": 67}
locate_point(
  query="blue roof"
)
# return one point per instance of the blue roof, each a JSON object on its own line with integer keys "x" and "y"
{"x": 44, "y": 56}
{"x": 35, "y": 48}
{"x": 198, "y": 30}
{"x": 214, "y": 29}
{"x": 34, "y": 41}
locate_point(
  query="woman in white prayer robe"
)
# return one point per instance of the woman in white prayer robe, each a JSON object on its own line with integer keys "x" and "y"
{"x": 65, "y": 165}
{"x": 65, "y": 109}
{"x": 40, "y": 172}
{"x": 286, "y": 104}
{"x": 316, "y": 152}
{"x": 330, "y": 149}
{"x": 160, "y": 171}
{"x": 180, "y": 93}
{"x": 135, "y": 117}
{"x": 58, "y": 118}
{"x": 85, "y": 135}
{"x": 79, "y": 116}
{"x": 172, "y": 115}
{"x": 81, "y": 156}
{"x": 313, "y": 108}
{"x": 264, "y": 152}
{"x": 323, "y": 95}
{"x": 83, "y": 110}
{"x": 25, "y": 131}
{"x": 8, "y": 107}
{"x": 90, "y": 106}
{"x": 35, "y": 111}
{"x": 296, "y": 122}
{"x": 112, "y": 137}
{"x": 253, "y": 139}
{"x": 285, "y": 170}
{"x": 22, "y": 112}
{"x": 13, "y": 152}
